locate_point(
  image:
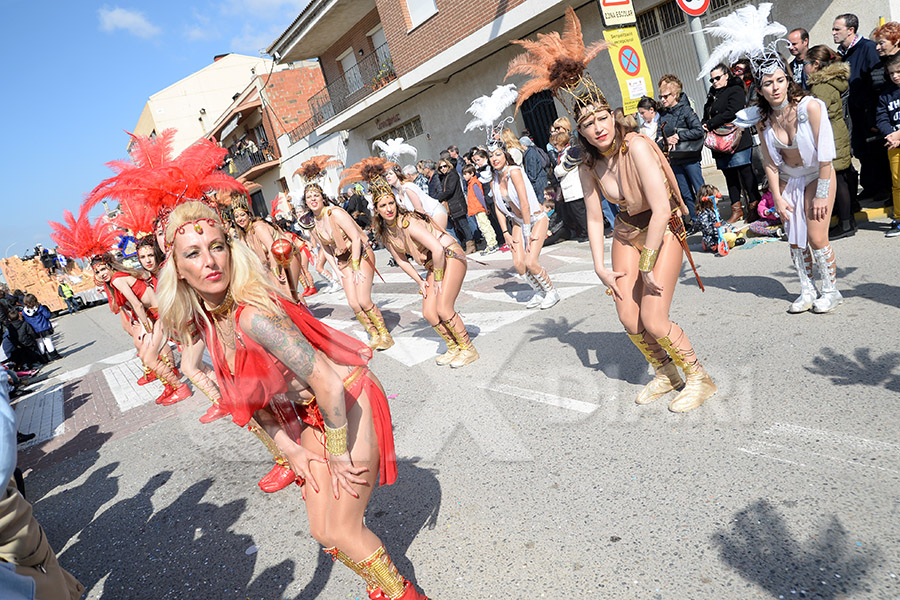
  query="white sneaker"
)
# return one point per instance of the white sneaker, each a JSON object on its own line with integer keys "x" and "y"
{"x": 803, "y": 303}
{"x": 550, "y": 299}
{"x": 827, "y": 302}
{"x": 537, "y": 300}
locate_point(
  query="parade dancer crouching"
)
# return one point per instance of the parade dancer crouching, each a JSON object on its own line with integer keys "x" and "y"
{"x": 648, "y": 242}
{"x": 304, "y": 383}
{"x": 413, "y": 234}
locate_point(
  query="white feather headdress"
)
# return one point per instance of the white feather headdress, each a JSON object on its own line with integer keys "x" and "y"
{"x": 394, "y": 147}
{"x": 488, "y": 109}
{"x": 743, "y": 34}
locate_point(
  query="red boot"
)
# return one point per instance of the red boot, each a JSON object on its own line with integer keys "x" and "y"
{"x": 183, "y": 392}
{"x": 311, "y": 291}
{"x": 409, "y": 593}
{"x": 278, "y": 478}
{"x": 168, "y": 390}
{"x": 213, "y": 413}
{"x": 147, "y": 377}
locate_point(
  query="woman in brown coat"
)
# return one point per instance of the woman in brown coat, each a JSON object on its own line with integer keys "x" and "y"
{"x": 828, "y": 77}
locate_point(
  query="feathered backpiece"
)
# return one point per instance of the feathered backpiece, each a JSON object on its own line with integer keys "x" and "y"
{"x": 371, "y": 170}
{"x": 79, "y": 238}
{"x": 743, "y": 34}
{"x": 135, "y": 217}
{"x": 487, "y": 110}
{"x": 281, "y": 207}
{"x": 394, "y": 147}
{"x": 558, "y": 63}
{"x": 158, "y": 182}
{"x": 315, "y": 167}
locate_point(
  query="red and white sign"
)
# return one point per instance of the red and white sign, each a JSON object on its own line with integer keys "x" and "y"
{"x": 695, "y": 8}
{"x": 617, "y": 12}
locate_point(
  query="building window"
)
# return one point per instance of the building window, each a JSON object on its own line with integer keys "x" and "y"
{"x": 670, "y": 15}
{"x": 646, "y": 24}
{"x": 715, "y": 5}
{"x": 420, "y": 11}
{"x": 407, "y": 131}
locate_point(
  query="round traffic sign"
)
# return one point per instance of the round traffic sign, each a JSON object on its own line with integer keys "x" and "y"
{"x": 695, "y": 8}
{"x": 629, "y": 61}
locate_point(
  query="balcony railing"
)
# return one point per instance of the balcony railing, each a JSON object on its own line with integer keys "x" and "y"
{"x": 372, "y": 72}
{"x": 240, "y": 163}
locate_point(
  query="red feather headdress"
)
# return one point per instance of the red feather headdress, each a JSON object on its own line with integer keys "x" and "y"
{"x": 158, "y": 182}
{"x": 314, "y": 168}
{"x": 558, "y": 63}
{"x": 79, "y": 238}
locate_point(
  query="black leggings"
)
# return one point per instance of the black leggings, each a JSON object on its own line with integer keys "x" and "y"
{"x": 741, "y": 177}
{"x": 461, "y": 226}
{"x": 845, "y": 202}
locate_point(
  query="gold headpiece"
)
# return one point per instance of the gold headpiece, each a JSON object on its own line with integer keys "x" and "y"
{"x": 240, "y": 203}
{"x": 380, "y": 188}
{"x": 558, "y": 63}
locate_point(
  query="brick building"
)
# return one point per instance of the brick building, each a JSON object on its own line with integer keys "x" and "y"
{"x": 269, "y": 107}
{"x": 410, "y": 68}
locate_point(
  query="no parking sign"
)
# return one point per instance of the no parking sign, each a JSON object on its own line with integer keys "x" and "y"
{"x": 630, "y": 66}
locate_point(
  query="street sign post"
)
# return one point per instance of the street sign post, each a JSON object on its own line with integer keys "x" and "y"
{"x": 694, "y": 8}
{"x": 628, "y": 61}
{"x": 617, "y": 12}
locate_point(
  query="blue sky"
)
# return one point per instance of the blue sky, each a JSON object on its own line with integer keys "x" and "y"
{"x": 79, "y": 73}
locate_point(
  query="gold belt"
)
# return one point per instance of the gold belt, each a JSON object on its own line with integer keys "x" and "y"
{"x": 348, "y": 382}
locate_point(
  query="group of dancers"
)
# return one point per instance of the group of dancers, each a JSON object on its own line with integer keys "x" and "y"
{"x": 216, "y": 278}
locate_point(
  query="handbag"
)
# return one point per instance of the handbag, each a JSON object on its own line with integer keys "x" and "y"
{"x": 686, "y": 149}
{"x": 723, "y": 139}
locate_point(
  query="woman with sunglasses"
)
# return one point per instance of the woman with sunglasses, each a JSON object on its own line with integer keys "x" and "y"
{"x": 307, "y": 385}
{"x": 727, "y": 95}
{"x": 455, "y": 198}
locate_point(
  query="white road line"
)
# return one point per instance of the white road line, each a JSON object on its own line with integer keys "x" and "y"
{"x": 122, "y": 381}
{"x": 42, "y": 414}
{"x": 834, "y": 437}
{"x": 543, "y": 397}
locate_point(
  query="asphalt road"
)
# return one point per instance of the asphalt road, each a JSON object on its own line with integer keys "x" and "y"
{"x": 531, "y": 473}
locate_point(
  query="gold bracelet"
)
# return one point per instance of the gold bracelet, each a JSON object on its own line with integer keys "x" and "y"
{"x": 354, "y": 264}
{"x": 648, "y": 259}
{"x": 438, "y": 274}
{"x": 336, "y": 440}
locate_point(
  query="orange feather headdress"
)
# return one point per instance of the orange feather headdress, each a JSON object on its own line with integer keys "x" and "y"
{"x": 559, "y": 63}
{"x": 314, "y": 168}
{"x": 371, "y": 170}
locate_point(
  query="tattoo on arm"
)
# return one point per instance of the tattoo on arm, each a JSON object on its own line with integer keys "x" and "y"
{"x": 279, "y": 335}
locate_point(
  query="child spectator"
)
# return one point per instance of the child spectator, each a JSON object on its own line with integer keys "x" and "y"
{"x": 768, "y": 224}
{"x": 23, "y": 340}
{"x": 478, "y": 209}
{"x": 38, "y": 316}
{"x": 887, "y": 117}
{"x": 708, "y": 220}
{"x": 556, "y": 231}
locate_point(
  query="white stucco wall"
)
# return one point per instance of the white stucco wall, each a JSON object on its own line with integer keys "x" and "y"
{"x": 295, "y": 154}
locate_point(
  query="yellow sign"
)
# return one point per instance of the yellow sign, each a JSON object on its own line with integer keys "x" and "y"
{"x": 630, "y": 66}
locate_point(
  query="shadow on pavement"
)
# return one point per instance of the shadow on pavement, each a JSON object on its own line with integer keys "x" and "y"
{"x": 395, "y": 514}
{"x": 66, "y": 350}
{"x": 878, "y": 292}
{"x": 185, "y": 550}
{"x": 762, "y": 550}
{"x": 613, "y": 353}
{"x": 85, "y": 444}
{"x": 860, "y": 368}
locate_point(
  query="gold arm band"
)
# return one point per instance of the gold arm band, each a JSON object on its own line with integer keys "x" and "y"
{"x": 336, "y": 440}
{"x": 438, "y": 274}
{"x": 354, "y": 264}
{"x": 648, "y": 259}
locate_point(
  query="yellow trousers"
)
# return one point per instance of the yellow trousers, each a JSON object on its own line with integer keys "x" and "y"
{"x": 894, "y": 159}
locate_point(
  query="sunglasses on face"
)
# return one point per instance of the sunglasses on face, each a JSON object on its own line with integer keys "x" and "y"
{"x": 445, "y": 167}
{"x": 664, "y": 96}
{"x": 715, "y": 78}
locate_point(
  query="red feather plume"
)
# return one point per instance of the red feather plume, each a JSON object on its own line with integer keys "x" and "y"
{"x": 79, "y": 238}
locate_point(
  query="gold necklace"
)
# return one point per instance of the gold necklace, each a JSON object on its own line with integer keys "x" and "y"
{"x": 224, "y": 307}
{"x": 611, "y": 150}
{"x": 225, "y": 332}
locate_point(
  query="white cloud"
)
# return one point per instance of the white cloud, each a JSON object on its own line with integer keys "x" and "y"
{"x": 251, "y": 41}
{"x": 260, "y": 8}
{"x": 132, "y": 21}
{"x": 203, "y": 30}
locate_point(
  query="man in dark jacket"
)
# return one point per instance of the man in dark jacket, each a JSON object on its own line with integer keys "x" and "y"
{"x": 434, "y": 180}
{"x": 535, "y": 166}
{"x": 865, "y": 80}
{"x": 24, "y": 341}
{"x": 681, "y": 125}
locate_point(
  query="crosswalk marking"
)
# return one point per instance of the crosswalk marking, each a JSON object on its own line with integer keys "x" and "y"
{"x": 542, "y": 397}
{"x": 122, "y": 381}
{"x": 42, "y": 414}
